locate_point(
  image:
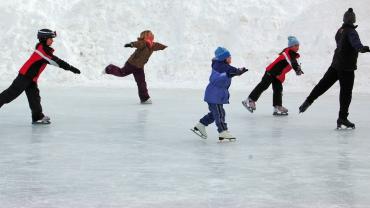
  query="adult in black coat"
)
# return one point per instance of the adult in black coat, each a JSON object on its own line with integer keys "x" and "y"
{"x": 342, "y": 68}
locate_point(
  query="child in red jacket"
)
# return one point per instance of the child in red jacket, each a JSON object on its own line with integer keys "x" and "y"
{"x": 275, "y": 75}
{"x": 30, "y": 72}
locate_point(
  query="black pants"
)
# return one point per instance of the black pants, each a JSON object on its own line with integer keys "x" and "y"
{"x": 346, "y": 81}
{"x": 20, "y": 84}
{"x": 265, "y": 83}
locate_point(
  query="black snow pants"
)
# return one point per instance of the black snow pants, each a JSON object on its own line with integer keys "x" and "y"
{"x": 265, "y": 83}
{"x": 346, "y": 81}
{"x": 20, "y": 84}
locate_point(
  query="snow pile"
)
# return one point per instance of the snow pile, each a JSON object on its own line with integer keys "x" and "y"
{"x": 91, "y": 34}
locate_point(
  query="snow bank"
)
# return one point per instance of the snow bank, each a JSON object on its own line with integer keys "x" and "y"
{"x": 91, "y": 34}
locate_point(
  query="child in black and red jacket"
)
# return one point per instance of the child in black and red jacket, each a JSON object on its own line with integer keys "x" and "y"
{"x": 275, "y": 75}
{"x": 30, "y": 72}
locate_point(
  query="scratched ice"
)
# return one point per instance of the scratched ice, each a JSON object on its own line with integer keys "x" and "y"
{"x": 103, "y": 150}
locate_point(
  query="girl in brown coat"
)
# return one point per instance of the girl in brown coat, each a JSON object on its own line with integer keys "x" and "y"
{"x": 145, "y": 46}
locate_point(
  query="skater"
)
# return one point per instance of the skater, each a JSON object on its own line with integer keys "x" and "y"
{"x": 30, "y": 72}
{"x": 217, "y": 94}
{"x": 145, "y": 46}
{"x": 342, "y": 68}
{"x": 275, "y": 75}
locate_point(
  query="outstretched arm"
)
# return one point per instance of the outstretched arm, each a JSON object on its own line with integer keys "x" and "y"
{"x": 295, "y": 65}
{"x": 159, "y": 46}
{"x": 355, "y": 41}
{"x": 64, "y": 65}
{"x": 136, "y": 44}
{"x": 294, "y": 61}
{"x": 236, "y": 72}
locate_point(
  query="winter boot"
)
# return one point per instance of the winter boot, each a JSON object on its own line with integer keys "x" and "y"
{"x": 345, "y": 122}
{"x": 226, "y": 135}
{"x": 43, "y": 120}
{"x": 200, "y": 130}
{"x": 304, "y": 106}
{"x": 280, "y": 111}
{"x": 249, "y": 104}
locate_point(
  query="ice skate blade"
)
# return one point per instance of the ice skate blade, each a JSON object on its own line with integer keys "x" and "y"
{"x": 280, "y": 114}
{"x": 221, "y": 140}
{"x": 198, "y": 134}
{"x": 41, "y": 123}
{"x": 248, "y": 108}
{"x": 345, "y": 128}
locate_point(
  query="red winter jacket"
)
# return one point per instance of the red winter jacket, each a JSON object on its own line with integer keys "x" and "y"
{"x": 36, "y": 64}
{"x": 286, "y": 61}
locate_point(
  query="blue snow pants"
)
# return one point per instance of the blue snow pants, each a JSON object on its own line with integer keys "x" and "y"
{"x": 217, "y": 113}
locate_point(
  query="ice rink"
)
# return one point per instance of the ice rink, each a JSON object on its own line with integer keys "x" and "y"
{"x": 104, "y": 150}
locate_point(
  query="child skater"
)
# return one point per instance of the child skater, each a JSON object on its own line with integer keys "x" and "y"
{"x": 30, "y": 72}
{"x": 145, "y": 46}
{"x": 275, "y": 75}
{"x": 217, "y": 94}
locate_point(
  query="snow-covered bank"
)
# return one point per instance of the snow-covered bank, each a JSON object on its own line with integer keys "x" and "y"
{"x": 92, "y": 34}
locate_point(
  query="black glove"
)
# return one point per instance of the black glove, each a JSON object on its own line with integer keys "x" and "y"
{"x": 365, "y": 49}
{"x": 74, "y": 70}
{"x": 242, "y": 70}
{"x": 128, "y": 45}
{"x": 299, "y": 71}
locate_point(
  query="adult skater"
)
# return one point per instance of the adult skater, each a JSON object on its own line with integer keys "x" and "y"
{"x": 217, "y": 94}
{"x": 145, "y": 46}
{"x": 30, "y": 72}
{"x": 275, "y": 75}
{"x": 342, "y": 68}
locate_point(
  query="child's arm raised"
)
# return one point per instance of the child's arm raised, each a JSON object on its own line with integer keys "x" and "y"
{"x": 232, "y": 71}
{"x": 159, "y": 46}
{"x": 64, "y": 65}
{"x": 136, "y": 44}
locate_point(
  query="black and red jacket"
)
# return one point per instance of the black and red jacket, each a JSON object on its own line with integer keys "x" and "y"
{"x": 286, "y": 61}
{"x": 36, "y": 64}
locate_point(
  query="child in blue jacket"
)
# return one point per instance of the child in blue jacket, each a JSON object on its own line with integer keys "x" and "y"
{"x": 217, "y": 94}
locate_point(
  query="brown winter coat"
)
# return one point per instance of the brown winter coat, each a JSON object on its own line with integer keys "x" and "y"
{"x": 142, "y": 53}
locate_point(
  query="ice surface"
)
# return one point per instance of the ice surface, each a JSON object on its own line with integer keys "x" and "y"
{"x": 104, "y": 150}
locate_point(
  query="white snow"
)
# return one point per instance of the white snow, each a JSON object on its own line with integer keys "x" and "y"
{"x": 92, "y": 34}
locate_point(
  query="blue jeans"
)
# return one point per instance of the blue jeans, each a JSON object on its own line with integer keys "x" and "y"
{"x": 217, "y": 113}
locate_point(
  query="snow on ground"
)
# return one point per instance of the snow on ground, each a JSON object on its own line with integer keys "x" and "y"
{"x": 92, "y": 34}
{"x": 106, "y": 150}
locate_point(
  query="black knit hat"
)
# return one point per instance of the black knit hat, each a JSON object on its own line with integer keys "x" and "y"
{"x": 349, "y": 17}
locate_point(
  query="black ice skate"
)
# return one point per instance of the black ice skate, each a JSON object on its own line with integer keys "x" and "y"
{"x": 346, "y": 123}
{"x": 304, "y": 106}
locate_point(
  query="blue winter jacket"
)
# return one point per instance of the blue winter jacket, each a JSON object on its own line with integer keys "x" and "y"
{"x": 217, "y": 91}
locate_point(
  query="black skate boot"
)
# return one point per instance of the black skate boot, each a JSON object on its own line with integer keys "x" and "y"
{"x": 345, "y": 122}
{"x": 304, "y": 106}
